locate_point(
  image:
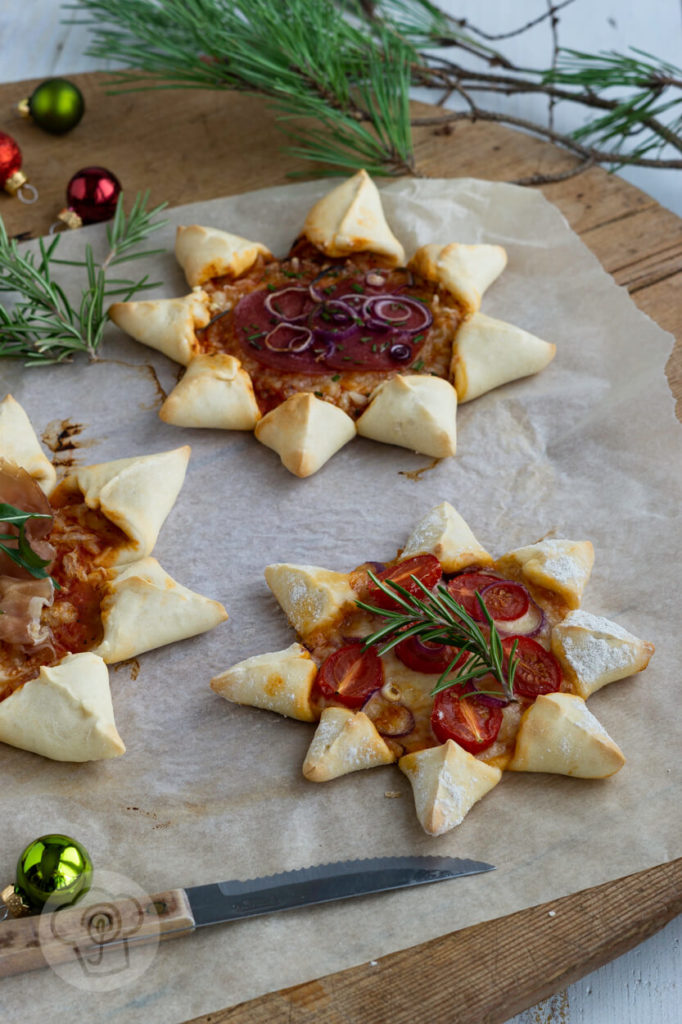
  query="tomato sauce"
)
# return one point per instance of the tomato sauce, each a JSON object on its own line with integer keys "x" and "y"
{"x": 349, "y": 370}
{"x": 85, "y": 543}
{"x": 402, "y": 693}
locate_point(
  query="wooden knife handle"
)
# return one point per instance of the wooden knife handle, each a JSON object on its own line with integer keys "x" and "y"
{"x": 27, "y": 943}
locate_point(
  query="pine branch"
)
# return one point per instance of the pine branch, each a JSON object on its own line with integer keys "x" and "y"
{"x": 309, "y": 59}
{"x": 346, "y": 67}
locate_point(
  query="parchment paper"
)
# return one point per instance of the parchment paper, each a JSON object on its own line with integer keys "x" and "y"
{"x": 208, "y": 790}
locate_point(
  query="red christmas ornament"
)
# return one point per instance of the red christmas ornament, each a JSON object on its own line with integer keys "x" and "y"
{"x": 92, "y": 195}
{"x": 12, "y": 178}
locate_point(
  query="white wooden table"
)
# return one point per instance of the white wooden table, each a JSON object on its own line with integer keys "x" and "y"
{"x": 642, "y": 987}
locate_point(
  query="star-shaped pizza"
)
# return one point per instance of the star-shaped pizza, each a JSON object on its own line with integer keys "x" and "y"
{"x": 79, "y": 590}
{"x": 340, "y": 337}
{"x": 450, "y": 663}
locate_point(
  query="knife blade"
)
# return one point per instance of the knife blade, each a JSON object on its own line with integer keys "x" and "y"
{"x": 76, "y": 932}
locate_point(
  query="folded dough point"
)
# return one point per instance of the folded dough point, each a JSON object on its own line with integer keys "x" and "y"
{"x": 305, "y": 432}
{"x": 144, "y": 608}
{"x": 344, "y": 741}
{"x": 167, "y": 325}
{"x": 65, "y": 713}
{"x": 444, "y": 533}
{"x": 562, "y": 566}
{"x": 280, "y": 681}
{"x": 313, "y": 599}
{"x": 594, "y": 651}
{"x": 204, "y": 253}
{"x": 446, "y": 783}
{"x": 214, "y": 392}
{"x": 351, "y": 219}
{"x": 488, "y": 353}
{"x": 19, "y": 444}
{"x": 559, "y": 735}
{"x": 414, "y": 411}
{"x": 463, "y": 270}
{"x": 136, "y": 494}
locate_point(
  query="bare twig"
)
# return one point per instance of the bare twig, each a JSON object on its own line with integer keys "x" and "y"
{"x": 550, "y": 13}
{"x": 554, "y": 26}
{"x": 450, "y": 73}
{"x": 599, "y": 156}
{"x": 548, "y": 179}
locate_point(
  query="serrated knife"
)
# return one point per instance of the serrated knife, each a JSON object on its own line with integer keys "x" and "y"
{"x": 79, "y": 931}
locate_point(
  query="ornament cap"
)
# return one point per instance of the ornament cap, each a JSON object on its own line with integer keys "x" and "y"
{"x": 70, "y": 218}
{"x": 14, "y": 902}
{"x": 23, "y": 107}
{"x": 13, "y": 183}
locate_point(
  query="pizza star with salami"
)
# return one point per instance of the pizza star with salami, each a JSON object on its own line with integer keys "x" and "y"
{"x": 453, "y": 664}
{"x": 79, "y": 589}
{"x": 342, "y": 336}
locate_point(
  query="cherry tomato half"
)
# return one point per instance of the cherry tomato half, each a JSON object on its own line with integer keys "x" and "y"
{"x": 463, "y": 589}
{"x": 537, "y": 670}
{"x": 351, "y": 675}
{"x": 426, "y": 568}
{"x": 466, "y": 720}
{"x": 506, "y": 600}
{"x": 425, "y": 656}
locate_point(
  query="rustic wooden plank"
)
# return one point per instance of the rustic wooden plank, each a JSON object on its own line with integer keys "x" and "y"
{"x": 641, "y": 249}
{"x": 159, "y": 141}
{"x": 484, "y": 974}
{"x": 117, "y": 133}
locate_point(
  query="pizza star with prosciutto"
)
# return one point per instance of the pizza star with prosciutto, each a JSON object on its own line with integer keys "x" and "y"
{"x": 453, "y": 664}
{"x": 79, "y": 589}
{"x": 342, "y": 336}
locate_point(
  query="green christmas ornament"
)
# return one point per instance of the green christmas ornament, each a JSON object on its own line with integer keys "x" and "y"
{"x": 56, "y": 105}
{"x": 53, "y": 867}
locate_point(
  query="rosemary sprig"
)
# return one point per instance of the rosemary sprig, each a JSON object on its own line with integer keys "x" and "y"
{"x": 42, "y": 325}
{"x": 439, "y": 618}
{"x": 21, "y": 553}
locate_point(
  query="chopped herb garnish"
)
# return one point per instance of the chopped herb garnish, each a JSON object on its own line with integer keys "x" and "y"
{"x": 337, "y": 376}
{"x": 254, "y": 344}
{"x": 21, "y": 552}
{"x": 374, "y": 348}
{"x": 357, "y": 288}
{"x": 271, "y": 287}
{"x": 419, "y": 365}
{"x": 420, "y": 337}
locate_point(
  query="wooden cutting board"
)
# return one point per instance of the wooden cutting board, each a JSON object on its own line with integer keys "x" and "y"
{"x": 187, "y": 145}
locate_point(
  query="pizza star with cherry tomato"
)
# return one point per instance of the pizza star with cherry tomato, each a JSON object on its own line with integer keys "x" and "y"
{"x": 342, "y": 336}
{"x": 453, "y": 664}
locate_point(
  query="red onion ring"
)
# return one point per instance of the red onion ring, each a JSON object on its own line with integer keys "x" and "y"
{"x": 287, "y": 317}
{"x": 488, "y": 698}
{"x": 298, "y": 338}
{"x": 382, "y": 310}
{"x": 400, "y": 352}
{"x": 513, "y": 630}
{"x": 375, "y": 309}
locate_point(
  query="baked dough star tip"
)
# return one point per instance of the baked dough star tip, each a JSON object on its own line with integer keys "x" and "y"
{"x": 326, "y": 335}
{"x": 453, "y": 745}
